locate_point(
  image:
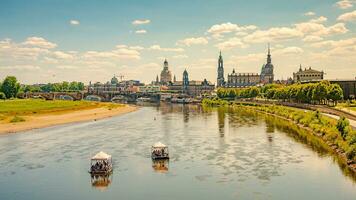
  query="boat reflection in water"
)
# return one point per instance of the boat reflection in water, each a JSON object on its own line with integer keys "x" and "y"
{"x": 101, "y": 181}
{"x": 160, "y": 165}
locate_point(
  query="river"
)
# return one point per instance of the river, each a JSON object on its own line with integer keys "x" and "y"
{"x": 215, "y": 154}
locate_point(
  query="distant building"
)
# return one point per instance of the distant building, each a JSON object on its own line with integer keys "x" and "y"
{"x": 242, "y": 79}
{"x": 220, "y": 80}
{"x": 267, "y": 75}
{"x": 149, "y": 89}
{"x": 246, "y": 79}
{"x": 166, "y": 75}
{"x": 114, "y": 86}
{"x": 307, "y": 75}
{"x": 191, "y": 87}
{"x": 348, "y": 87}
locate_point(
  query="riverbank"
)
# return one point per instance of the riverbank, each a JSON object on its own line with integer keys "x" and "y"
{"x": 344, "y": 145}
{"x": 23, "y": 115}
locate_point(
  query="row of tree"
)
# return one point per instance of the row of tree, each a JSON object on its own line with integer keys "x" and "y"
{"x": 320, "y": 92}
{"x": 11, "y": 88}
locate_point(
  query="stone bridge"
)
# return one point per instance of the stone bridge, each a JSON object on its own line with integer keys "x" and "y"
{"x": 102, "y": 96}
{"x": 55, "y": 95}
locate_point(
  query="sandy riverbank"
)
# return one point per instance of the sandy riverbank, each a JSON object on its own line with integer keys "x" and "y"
{"x": 52, "y": 119}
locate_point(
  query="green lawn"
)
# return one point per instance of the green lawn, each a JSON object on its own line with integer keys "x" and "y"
{"x": 34, "y": 106}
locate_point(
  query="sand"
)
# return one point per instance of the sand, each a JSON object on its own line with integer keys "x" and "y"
{"x": 52, "y": 119}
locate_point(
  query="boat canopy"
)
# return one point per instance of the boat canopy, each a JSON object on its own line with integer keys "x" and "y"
{"x": 101, "y": 156}
{"x": 159, "y": 145}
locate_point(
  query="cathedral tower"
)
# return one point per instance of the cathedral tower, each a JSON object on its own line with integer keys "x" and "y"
{"x": 220, "y": 80}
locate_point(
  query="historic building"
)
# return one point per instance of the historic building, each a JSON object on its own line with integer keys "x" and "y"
{"x": 191, "y": 87}
{"x": 166, "y": 75}
{"x": 242, "y": 79}
{"x": 246, "y": 79}
{"x": 267, "y": 75}
{"x": 307, "y": 75}
{"x": 220, "y": 80}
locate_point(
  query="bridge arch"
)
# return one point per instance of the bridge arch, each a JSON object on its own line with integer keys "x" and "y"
{"x": 93, "y": 98}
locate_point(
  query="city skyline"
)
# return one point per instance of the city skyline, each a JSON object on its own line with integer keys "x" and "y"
{"x": 53, "y": 41}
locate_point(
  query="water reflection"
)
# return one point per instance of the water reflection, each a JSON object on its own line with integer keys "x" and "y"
{"x": 101, "y": 181}
{"x": 161, "y": 165}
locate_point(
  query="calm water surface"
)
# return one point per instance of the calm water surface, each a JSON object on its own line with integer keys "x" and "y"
{"x": 215, "y": 154}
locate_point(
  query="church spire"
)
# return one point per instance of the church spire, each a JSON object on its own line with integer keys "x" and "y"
{"x": 269, "y": 59}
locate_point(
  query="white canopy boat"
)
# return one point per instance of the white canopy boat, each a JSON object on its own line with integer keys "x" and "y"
{"x": 159, "y": 151}
{"x": 101, "y": 163}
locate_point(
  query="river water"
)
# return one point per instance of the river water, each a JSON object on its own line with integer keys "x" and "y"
{"x": 215, "y": 154}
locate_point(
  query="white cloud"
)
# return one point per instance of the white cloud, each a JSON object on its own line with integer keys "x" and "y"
{"x": 141, "y": 21}
{"x": 345, "y": 4}
{"x": 150, "y": 65}
{"x": 231, "y": 43}
{"x": 321, "y": 19}
{"x": 312, "y": 38}
{"x": 218, "y": 29}
{"x": 66, "y": 67}
{"x": 159, "y": 48}
{"x": 62, "y": 55}
{"x": 348, "y": 17}
{"x": 272, "y": 34}
{"x": 180, "y": 56}
{"x": 309, "y": 13}
{"x": 138, "y": 48}
{"x": 289, "y": 50}
{"x": 142, "y": 31}
{"x": 74, "y": 22}
{"x": 192, "y": 41}
{"x": 20, "y": 67}
{"x": 310, "y": 28}
{"x": 39, "y": 42}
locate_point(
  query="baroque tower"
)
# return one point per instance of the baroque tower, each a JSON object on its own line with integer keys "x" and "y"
{"x": 267, "y": 75}
{"x": 220, "y": 80}
{"x": 166, "y": 75}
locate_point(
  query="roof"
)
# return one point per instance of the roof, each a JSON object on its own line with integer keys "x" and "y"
{"x": 101, "y": 156}
{"x": 158, "y": 145}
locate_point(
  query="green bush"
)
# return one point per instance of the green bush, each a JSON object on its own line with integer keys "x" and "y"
{"x": 17, "y": 119}
{"x": 2, "y": 95}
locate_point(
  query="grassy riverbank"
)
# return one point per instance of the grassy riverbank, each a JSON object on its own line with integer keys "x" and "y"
{"x": 338, "y": 136}
{"x": 25, "y": 114}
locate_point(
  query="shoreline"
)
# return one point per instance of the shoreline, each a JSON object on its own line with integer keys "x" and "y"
{"x": 60, "y": 118}
{"x": 339, "y": 152}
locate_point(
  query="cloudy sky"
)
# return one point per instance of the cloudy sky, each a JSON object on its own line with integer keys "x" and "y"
{"x": 85, "y": 40}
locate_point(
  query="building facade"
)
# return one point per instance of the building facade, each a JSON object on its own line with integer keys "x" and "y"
{"x": 246, "y": 79}
{"x": 242, "y": 79}
{"x": 166, "y": 75}
{"x": 220, "y": 82}
{"x": 307, "y": 75}
{"x": 191, "y": 87}
{"x": 267, "y": 74}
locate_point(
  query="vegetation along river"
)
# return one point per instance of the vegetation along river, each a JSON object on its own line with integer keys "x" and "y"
{"x": 215, "y": 154}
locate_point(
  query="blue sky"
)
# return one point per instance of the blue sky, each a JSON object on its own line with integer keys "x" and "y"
{"x": 40, "y": 44}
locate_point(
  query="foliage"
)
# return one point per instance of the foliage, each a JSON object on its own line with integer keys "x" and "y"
{"x": 16, "y": 119}
{"x": 320, "y": 92}
{"x": 2, "y": 95}
{"x": 343, "y": 126}
{"x": 338, "y": 133}
{"x": 10, "y": 87}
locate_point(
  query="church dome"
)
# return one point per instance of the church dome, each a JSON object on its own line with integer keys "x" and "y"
{"x": 114, "y": 80}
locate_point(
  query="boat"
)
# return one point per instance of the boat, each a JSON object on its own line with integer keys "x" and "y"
{"x": 101, "y": 163}
{"x": 159, "y": 151}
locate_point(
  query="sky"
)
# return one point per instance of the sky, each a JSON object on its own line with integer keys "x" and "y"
{"x": 45, "y": 41}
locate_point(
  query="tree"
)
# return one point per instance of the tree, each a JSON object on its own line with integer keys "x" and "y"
{"x": 319, "y": 92}
{"x": 343, "y": 126}
{"x": 10, "y": 87}
{"x": 335, "y": 93}
{"x": 254, "y": 91}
